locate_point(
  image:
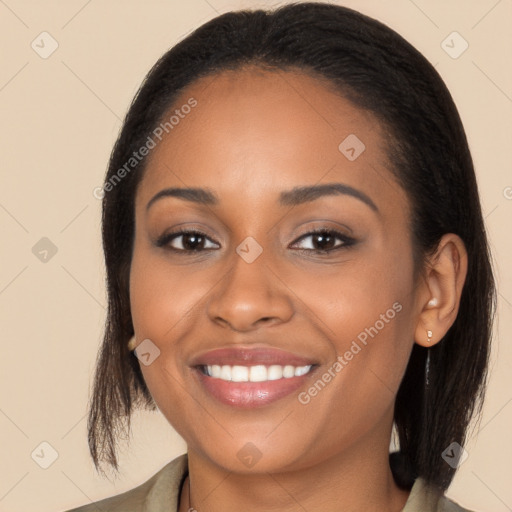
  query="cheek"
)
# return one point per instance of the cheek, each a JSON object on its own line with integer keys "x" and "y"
{"x": 162, "y": 302}
{"x": 366, "y": 314}
{"x": 371, "y": 291}
{"x": 162, "y": 296}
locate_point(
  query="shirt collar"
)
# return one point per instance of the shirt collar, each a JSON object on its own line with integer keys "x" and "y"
{"x": 165, "y": 493}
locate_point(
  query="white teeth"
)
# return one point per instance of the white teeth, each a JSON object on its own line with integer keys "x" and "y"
{"x": 275, "y": 372}
{"x": 239, "y": 374}
{"x": 301, "y": 370}
{"x": 225, "y": 372}
{"x": 258, "y": 373}
{"x": 289, "y": 371}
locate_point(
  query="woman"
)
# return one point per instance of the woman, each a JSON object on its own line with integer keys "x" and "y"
{"x": 296, "y": 264}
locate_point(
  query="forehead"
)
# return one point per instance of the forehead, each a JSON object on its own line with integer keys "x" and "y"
{"x": 254, "y": 130}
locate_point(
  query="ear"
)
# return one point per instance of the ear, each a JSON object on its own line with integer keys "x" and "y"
{"x": 444, "y": 280}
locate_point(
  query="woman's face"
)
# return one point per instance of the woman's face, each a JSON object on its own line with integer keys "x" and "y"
{"x": 254, "y": 281}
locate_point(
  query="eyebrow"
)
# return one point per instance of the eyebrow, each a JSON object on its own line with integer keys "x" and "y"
{"x": 300, "y": 195}
{"x": 196, "y": 195}
{"x": 293, "y": 197}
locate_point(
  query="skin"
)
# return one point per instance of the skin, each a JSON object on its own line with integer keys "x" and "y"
{"x": 252, "y": 135}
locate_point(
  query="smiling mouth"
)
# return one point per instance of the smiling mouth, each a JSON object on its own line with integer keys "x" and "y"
{"x": 256, "y": 373}
{"x": 250, "y": 387}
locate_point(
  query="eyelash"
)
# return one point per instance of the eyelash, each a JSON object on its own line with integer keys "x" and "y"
{"x": 165, "y": 239}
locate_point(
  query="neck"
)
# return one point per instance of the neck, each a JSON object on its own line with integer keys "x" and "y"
{"x": 357, "y": 479}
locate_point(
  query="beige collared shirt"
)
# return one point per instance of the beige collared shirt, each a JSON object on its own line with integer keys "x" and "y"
{"x": 161, "y": 494}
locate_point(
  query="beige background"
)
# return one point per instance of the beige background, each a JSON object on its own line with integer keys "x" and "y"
{"x": 59, "y": 119}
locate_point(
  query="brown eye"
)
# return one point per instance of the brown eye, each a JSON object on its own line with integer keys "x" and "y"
{"x": 324, "y": 240}
{"x": 186, "y": 241}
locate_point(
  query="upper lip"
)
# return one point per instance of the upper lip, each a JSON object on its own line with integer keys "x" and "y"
{"x": 250, "y": 356}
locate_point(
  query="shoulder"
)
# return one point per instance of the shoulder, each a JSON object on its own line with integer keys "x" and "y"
{"x": 160, "y": 492}
{"x": 447, "y": 505}
{"x": 424, "y": 498}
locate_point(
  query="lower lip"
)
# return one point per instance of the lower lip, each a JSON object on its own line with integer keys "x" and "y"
{"x": 249, "y": 395}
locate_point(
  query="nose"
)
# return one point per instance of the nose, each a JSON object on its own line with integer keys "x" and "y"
{"x": 249, "y": 295}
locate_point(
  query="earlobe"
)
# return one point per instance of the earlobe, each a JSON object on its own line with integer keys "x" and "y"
{"x": 444, "y": 280}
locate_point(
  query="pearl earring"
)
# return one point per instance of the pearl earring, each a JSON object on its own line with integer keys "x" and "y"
{"x": 131, "y": 344}
{"x": 432, "y": 302}
{"x": 429, "y": 336}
